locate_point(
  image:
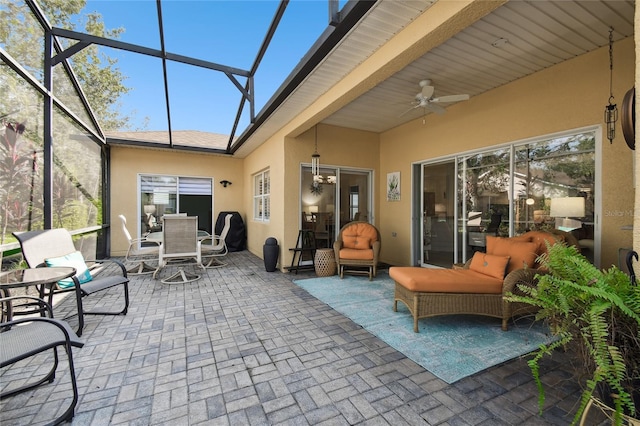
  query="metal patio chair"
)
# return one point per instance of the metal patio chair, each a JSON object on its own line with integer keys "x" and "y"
{"x": 180, "y": 244}
{"x": 137, "y": 254}
{"x": 215, "y": 246}
{"x": 27, "y": 337}
{"x": 40, "y": 248}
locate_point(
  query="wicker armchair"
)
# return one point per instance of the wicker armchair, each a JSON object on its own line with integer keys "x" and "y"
{"x": 358, "y": 245}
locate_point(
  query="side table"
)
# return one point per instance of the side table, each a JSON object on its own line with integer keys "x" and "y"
{"x": 325, "y": 262}
{"x": 39, "y": 277}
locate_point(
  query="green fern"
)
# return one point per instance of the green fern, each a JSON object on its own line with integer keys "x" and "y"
{"x": 597, "y": 310}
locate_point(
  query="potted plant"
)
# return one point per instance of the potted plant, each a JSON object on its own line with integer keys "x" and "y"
{"x": 596, "y": 313}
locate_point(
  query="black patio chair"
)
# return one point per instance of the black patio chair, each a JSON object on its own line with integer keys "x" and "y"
{"x": 27, "y": 337}
{"x": 40, "y": 248}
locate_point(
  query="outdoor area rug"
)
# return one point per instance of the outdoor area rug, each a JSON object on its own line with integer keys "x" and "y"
{"x": 451, "y": 347}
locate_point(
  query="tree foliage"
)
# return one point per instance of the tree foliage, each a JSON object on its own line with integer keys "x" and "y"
{"x": 99, "y": 76}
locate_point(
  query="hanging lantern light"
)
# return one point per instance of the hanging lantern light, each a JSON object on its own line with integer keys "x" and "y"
{"x": 315, "y": 158}
{"x": 611, "y": 110}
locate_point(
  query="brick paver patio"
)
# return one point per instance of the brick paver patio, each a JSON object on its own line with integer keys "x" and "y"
{"x": 243, "y": 346}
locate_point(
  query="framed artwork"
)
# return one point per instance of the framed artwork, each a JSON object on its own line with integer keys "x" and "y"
{"x": 393, "y": 186}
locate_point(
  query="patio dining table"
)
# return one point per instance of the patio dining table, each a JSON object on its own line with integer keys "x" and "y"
{"x": 159, "y": 236}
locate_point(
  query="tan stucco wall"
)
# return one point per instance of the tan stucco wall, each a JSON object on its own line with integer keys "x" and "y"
{"x": 567, "y": 96}
{"x": 127, "y": 163}
{"x": 338, "y": 147}
{"x": 284, "y": 157}
{"x": 267, "y": 156}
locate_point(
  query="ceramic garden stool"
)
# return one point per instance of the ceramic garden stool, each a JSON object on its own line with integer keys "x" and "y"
{"x": 325, "y": 262}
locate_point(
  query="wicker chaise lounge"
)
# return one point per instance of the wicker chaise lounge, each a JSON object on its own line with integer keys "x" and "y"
{"x": 479, "y": 287}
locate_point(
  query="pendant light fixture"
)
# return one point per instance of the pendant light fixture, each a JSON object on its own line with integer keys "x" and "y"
{"x": 315, "y": 158}
{"x": 611, "y": 110}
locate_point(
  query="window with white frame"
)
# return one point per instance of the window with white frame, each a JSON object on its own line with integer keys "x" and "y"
{"x": 262, "y": 196}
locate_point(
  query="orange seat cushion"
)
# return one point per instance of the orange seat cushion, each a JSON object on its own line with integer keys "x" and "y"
{"x": 522, "y": 252}
{"x": 445, "y": 280}
{"x": 359, "y": 236}
{"x": 489, "y": 264}
{"x": 356, "y": 254}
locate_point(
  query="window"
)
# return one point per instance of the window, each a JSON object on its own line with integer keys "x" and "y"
{"x": 160, "y": 195}
{"x": 262, "y": 196}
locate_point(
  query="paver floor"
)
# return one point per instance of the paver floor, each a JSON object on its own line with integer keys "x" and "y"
{"x": 243, "y": 346}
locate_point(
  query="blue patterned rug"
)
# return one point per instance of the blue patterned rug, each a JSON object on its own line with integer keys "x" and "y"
{"x": 451, "y": 347}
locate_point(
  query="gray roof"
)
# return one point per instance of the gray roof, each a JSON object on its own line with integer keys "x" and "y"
{"x": 188, "y": 138}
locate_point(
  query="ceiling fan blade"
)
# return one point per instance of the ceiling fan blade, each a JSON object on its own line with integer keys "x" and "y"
{"x": 427, "y": 91}
{"x": 435, "y": 108}
{"x": 451, "y": 98}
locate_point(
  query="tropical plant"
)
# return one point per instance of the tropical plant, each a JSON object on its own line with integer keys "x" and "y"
{"x": 15, "y": 165}
{"x": 594, "y": 312}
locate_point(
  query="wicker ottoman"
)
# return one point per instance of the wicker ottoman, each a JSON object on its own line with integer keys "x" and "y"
{"x": 325, "y": 262}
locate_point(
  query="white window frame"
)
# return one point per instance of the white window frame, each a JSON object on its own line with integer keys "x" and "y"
{"x": 262, "y": 196}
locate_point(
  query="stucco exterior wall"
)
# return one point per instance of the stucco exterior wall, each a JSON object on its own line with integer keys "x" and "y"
{"x": 268, "y": 156}
{"x": 567, "y": 96}
{"x": 284, "y": 158}
{"x": 338, "y": 147}
{"x": 127, "y": 163}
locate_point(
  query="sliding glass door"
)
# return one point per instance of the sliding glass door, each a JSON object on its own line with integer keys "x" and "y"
{"x": 160, "y": 195}
{"x": 438, "y": 214}
{"x": 542, "y": 184}
{"x": 483, "y": 199}
{"x": 334, "y": 198}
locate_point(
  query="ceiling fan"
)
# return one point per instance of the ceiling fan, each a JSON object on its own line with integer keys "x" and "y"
{"x": 424, "y": 99}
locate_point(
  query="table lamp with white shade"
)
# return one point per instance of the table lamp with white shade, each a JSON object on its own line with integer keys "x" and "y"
{"x": 564, "y": 208}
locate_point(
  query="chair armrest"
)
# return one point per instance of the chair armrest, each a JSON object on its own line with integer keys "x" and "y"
{"x": 44, "y": 306}
{"x": 519, "y": 277}
{"x": 215, "y": 239}
{"x": 99, "y": 262}
{"x": 337, "y": 246}
{"x": 70, "y": 337}
{"x": 376, "y": 249}
{"x": 145, "y": 240}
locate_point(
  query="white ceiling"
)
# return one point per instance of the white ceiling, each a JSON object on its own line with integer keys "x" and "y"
{"x": 539, "y": 33}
